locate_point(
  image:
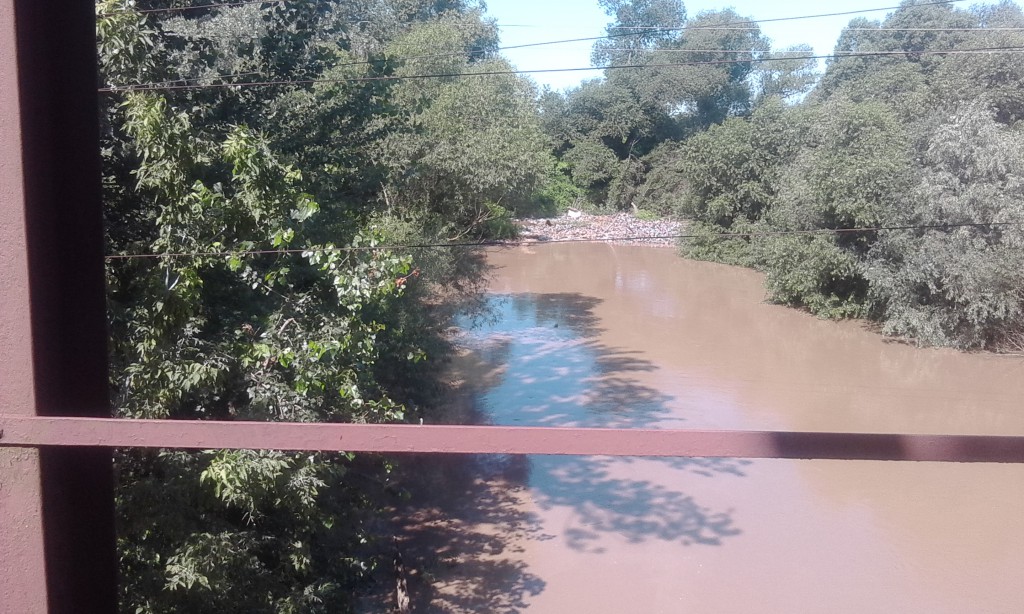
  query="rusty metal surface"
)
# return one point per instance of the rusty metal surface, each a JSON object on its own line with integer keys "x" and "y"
{"x": 63, "y": 432}
{"x": 57, "y": 551}
{"x": 22, "y": 565}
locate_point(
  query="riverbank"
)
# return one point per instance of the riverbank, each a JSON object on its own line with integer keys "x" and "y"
{"x": 623, "y": 228}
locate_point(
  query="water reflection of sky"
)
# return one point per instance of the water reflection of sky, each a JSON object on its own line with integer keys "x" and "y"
{"x": 556, "y": 372}
{"x": 691, "y": 345}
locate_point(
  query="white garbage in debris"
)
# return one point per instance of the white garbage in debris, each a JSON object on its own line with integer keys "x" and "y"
{"x": 618, "y": 227}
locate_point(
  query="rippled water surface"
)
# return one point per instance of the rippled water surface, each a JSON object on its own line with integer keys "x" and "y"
{"x": 600, "y": 335}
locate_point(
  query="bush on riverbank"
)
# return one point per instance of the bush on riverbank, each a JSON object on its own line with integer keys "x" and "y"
{"x": 948, "y": 183}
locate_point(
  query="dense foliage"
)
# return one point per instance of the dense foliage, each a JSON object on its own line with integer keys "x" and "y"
{"x": 262, "y": 293}
{"x": 920, "y": 138}
{"x": 616, "y": 134}
{"x": 251, "y": 219}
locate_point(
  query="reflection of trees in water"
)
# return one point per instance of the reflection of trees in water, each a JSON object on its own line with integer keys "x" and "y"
{"x": 547, "y": 366}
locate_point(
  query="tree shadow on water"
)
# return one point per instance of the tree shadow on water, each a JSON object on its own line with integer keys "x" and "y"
{"x": 461, "y": 533}
{"x": 555, "y": 370}
{"x": 541, "y": 361}
{"x": 602, "y": 502}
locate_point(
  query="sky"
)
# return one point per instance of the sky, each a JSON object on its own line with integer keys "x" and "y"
{"x": 527, "y": 21}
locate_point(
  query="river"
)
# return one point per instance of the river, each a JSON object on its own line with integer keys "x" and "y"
{"x": 622, "y": 336}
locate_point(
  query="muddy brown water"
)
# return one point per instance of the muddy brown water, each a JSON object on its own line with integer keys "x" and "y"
{"x": 603, "y": 335}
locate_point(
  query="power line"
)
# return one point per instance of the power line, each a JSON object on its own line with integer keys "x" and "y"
{"x": 879, "y": 29}
{"x": 723, "y": 24}
{"x": 169, "y": 82}
{"x": 479, "y": 244}
{"x": 185, "y": 80}
{"x": 182, "y": 80}
{"x": 485, "y": 73}
{"x": 219, "y": 5}
{"x": 641, "y": 30}
{"x": 842, "y": 13}
{"x": 199, "y": 7}
{"x": 934, "y": 29}
{"x": 595, "y": 38}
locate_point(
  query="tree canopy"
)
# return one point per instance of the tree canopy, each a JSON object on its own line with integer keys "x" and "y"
{"x": 265, "y": 164}
{"x": 252, "y": 281}
{"x": 919, "y": 138}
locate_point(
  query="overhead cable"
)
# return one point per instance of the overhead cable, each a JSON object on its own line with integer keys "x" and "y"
{"x": 464, "y": 52}
{"x": 198, "y": 7}
{"x": 595, "y": 38}
{"x": 879, "y": 29}
{"x": 771, "y": 55}
{"x": 842, "y": 13}
{"x": 981, "y": 29}
{"x": 221, "y": 5}
{"x": 183, "y": 80}
{"x": 479, "y": 244}
{"x": 743, "y": 22}
{"x": 485, "y": 73}
{"x": 641, "y": 30}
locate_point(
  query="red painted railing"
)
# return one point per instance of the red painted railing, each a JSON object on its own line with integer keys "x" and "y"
{"x": 114, "y": 433}
{"x": 57, "y": 545}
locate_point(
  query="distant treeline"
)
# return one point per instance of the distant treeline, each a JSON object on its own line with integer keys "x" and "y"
{"x": 916, "y": 130}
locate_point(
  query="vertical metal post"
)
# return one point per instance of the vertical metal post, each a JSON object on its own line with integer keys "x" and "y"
{"x": 57, "y": 549}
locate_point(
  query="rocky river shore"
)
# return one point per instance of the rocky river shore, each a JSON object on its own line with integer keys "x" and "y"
{"x": 617, "y": 228}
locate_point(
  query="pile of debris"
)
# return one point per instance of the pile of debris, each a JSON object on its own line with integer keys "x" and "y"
{"x": 615, "y": 228}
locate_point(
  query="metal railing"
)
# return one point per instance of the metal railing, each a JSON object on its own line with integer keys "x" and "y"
{"x": 18, "y": 431}
{"x": 57, "y": 541}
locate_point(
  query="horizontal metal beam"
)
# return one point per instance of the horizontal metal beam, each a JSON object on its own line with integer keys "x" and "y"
{"x": 21, "y": 431}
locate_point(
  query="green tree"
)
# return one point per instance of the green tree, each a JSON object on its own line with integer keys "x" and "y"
{"x": 639, "y": 26}
{"x": 962, "y": 287}
{"x": 853, "y": 171}
{"x": 599, "y": 130}
{"x": 918, "y": 137}
{"x": 786, "y": 74}
{"x": 267, "y": 296}
{"x": 733, "y": 172}
{"x": 682, "y": 77}
{"x": 462, "y": 152}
